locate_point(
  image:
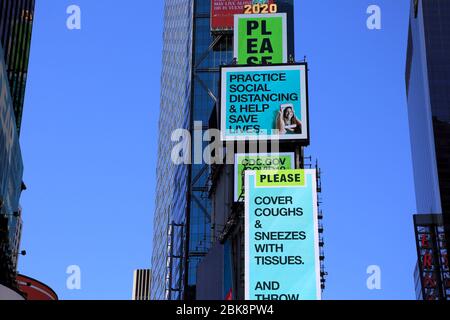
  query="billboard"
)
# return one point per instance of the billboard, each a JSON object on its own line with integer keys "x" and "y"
{"x": 223, "y": 11}
{"x": 433, "y": 272}
{"x": 264, "y": 103}
{"x": 258, "y": 161}
{"x": 260, "y": 39}
{"x": 281, "y": 235}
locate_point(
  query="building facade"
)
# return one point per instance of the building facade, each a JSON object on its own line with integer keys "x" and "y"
{"x": 142, "y": 283}
{"x": 11, "y": 171}
{"x": 170, "y": 216}
{"x": 16, "y": 24}
{"x": 427, "y": 86}
{"x": 16, "y": 20}
{"x": 192, "y": 56}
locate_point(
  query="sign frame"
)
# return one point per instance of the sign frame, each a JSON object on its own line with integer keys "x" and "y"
{"x": 303, "y": 139}
{"x": 236, "y": 33}
{"x": 315, "y": 206}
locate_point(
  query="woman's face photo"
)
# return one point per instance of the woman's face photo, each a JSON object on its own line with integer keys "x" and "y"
{"x": 288, "y": 113}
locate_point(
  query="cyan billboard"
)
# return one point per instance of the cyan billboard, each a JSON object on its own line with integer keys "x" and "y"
{"x": 264, "y": 103}
{"x": 282, "y": 241}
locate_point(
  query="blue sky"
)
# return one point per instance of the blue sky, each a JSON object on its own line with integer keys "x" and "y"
{"x": 89, "y": 140}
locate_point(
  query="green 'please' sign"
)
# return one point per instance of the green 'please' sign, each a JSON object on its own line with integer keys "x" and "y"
{"x": 260, "y": 39}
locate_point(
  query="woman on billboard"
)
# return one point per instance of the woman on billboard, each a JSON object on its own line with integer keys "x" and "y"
{"x": 287, "y": 121}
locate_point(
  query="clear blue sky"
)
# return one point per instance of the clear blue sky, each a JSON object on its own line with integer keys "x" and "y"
{"x": 89, "y": 140}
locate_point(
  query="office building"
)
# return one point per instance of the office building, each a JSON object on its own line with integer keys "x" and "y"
{"x": 142, "y": 283}
{"x": 16, "y": 24}
{"x": 172, "y": 180}
{"x": 16, "y": 19}
{"x": 11, "y": 171}
{"x": 427, "y": 83}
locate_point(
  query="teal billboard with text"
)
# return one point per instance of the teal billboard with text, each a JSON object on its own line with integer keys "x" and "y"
{"x": 264, "y": 103}
{"x": 281, "y": 236}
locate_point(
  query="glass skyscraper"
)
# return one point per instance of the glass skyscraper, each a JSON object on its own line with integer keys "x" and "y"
{"x": 170, "y": 219}
{"x": 16, "y": 20}
{"x": 11, "y": 170}
{"x": 192, "y": 55}
{"x": 16, "y": 24}
{"x": 428, "y": 87}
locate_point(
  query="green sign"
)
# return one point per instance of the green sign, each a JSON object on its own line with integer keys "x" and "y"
{"x": 280, "y": 178}
{"x": 281, "y": 235}
{"x": 260, "y": 39}
{"x": 258, "y": 161}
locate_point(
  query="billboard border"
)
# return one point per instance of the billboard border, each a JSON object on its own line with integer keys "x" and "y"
{"x": 302, "y": 142}
{"x": 249, "y": 173}
{"x": 282, "y": 15}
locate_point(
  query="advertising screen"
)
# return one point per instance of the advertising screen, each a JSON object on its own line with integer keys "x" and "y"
{"x": 281, "y": 235}
{"x": 264, "y": 103}
{"x": 260, "y": 39}
{"x": 258, "y": 161}
{"x": 223, "y": 11}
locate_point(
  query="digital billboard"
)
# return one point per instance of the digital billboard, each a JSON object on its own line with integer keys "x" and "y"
{"x": 223, "y": 11}
{"x": 264, "y": 103}
{"x": 281, "y": 235}
{"x": 258, "y": 161}
{"x": 260, "y": 39}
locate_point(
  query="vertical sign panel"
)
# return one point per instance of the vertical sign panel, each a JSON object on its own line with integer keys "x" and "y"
{"x": 281, "y": 236}
{"x": 260, "y": 39}
{"x": 258, "y": 161}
